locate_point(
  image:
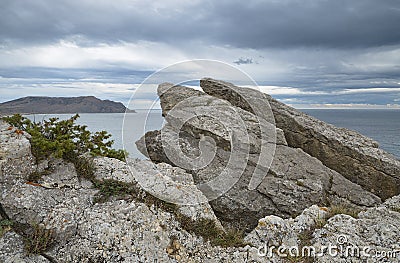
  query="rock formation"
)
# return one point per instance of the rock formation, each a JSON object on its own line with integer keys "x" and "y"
{"x": 281, "y": 195}
{"x": 353, "y": 155}
{"x": 124, "y": 230}
{"x": 294, "y": 181}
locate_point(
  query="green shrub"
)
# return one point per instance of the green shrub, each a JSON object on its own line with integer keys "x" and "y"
{"x": 64, "y": 138}
{"x": 110, "y": 187}
{"x": 84, "y": 167}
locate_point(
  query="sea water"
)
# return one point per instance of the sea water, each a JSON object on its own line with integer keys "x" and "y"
{"x": 382, "y": 125}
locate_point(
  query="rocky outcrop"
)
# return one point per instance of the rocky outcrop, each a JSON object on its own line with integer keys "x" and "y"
{"x": 132, "y": 229}
{"x": 225, "y": 147}
{"x": 371, "y": 237}
{"x": 353, "y": 155}
{"x": 117, "y": 230}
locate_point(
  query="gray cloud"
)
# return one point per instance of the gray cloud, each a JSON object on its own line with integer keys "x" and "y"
{"x": 243, "y": 61}
{"x": 251, "y": 24}
{"x": 322, "y": 48}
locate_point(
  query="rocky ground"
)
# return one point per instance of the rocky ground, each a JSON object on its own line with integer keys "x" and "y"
{"x": 300, "y": 202}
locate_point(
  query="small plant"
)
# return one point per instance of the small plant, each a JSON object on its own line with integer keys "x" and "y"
{"x": 110, "y": 187}
{"x": 342, "y": 209}
{"x": 207, "y": 229}
{"x": 40, "y": 240}
{"x": 3, "y": 213}
{"x": 305, "y": 238}
{"x": 320, "y": 222}
{"x": 5, "y": 225}
{"x": 84, "y": 167}
{"x": 396, "y": 209}
{"x": 300, "y": 183}
{"x": 34, "y": 176}
{"x": 150, "y": 200}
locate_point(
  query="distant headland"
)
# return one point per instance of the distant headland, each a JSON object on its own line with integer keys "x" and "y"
{"x": 59, "y": 105}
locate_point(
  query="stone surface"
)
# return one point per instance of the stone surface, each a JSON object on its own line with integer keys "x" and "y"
{"x": 16, "y": 159}
{"x": 12, "y": 250}
{"x": 197, "y": 138}
{"x": 375, "y": 231}
{"x": 276, "y": 231}
{"x": 353, "y": 155}
{"x": 170, "y": 184}
{"x": 132, "y": 232}
{"x": 114, "y": 231}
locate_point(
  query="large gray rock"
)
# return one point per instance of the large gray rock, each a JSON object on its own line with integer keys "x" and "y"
{"x": 170, "y": 184}
{"x": 198, "y": 138}
{"x": 353, "y": 155}
{"x": 59, "y": 207}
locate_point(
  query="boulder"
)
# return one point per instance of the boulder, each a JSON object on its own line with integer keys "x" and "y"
{"x": 224, "y": 148}
{"x": 353, "y": 155}
{"x": 113, "y": 231}
{"x": 170, "y": 184}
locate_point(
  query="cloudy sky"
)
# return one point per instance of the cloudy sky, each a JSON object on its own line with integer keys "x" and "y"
{"x": 301, "y": 52}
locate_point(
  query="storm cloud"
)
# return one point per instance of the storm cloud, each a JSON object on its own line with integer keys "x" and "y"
{"x": 321, "y": 49}
{"x": 254, "y": 24}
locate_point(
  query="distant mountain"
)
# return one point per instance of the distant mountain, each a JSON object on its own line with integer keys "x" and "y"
{"x": 84, "y": 104}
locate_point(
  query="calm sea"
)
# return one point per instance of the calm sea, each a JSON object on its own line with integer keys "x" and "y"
{"x": 381, "y": 125}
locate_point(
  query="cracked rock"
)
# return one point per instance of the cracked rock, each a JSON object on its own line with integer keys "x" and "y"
{"x": 289, "y": 182}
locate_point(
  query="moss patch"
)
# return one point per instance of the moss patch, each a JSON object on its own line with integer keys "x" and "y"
{"x": 5, "y": 225}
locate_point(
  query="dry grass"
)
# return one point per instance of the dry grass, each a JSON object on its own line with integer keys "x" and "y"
{"x": 40, "y": 240}
{"x": 342, "y": 209}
